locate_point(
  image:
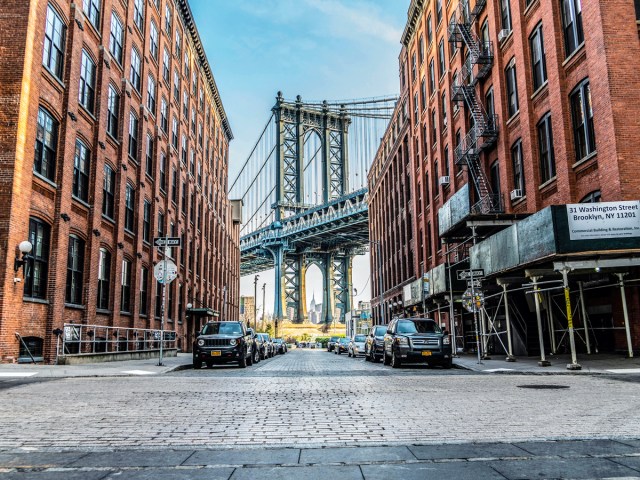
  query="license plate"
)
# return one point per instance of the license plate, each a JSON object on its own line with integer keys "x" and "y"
{"x": 426, "y": 354}
{"x": 216, "y": 353}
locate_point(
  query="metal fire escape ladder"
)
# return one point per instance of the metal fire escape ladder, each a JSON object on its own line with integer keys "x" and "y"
{"x": 483, "y": 133}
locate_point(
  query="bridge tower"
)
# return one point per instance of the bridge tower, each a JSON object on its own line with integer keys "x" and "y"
{"x": 293, "y": 121}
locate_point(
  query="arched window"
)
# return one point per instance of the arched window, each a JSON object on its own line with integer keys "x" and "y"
{"x": 104, "y": 279}
{"x": 593, "y": 197}
{"x": 37, "y": 266}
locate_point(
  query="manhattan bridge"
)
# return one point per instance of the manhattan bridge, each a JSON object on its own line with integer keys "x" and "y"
{"x": 304, "y": 188}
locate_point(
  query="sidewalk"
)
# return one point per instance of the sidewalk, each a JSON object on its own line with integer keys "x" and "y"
{"x": 104, "y": 369}
{"x": 599, "y": 364}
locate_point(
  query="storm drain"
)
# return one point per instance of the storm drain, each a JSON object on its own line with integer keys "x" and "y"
{"x": 544, "y": 387}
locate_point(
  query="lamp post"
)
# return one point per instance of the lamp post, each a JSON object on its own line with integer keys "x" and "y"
{"x": 379, "y": 255}
{"x": 264, "y": 287}
{"x": 255, "y": 303}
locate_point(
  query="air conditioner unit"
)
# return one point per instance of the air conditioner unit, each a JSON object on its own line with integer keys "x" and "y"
{"x": 502, "y": 34}
{"x": 444, "y": 180}
{"x": 516, "y": 194}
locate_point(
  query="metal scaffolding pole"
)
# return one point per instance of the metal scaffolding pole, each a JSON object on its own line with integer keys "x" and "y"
{"x": 574, "y": 365}
{"x": 536, "y": 292}
{"x": 626, "y": 313}
{"x": 510, "y": 357}
{"x": 583, "y": 311}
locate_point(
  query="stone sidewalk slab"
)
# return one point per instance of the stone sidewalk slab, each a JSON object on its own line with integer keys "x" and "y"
{"x": 466, "y": 451}
{"x": 431, "y": 471}
{"x": 279, "y": 456}
{"x": 39, "y": 459}
{"x": 355, "y": 455}
{"x": 574, "y": 468}
{"x": 173, "y": 474}
{"x": 133, "y": 458}
{"x": 577, "y": 448}
{"x": 299, "y": 473}
{"x": 48, "y": 475}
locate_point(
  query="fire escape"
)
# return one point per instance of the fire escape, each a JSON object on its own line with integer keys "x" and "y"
{"x": 483, "y": 131}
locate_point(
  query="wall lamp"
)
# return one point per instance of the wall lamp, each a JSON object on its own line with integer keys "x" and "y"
{"x": 25, "y": 248}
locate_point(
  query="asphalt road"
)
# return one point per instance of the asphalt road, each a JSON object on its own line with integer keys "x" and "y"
{"x": 310, "y": 414}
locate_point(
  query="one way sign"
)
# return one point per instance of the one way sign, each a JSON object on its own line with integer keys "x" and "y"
{"x": 166, "y": 241}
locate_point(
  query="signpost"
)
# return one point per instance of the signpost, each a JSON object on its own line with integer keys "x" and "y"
{"x": 470, "y": 274}
{"x": 164, "y": 272}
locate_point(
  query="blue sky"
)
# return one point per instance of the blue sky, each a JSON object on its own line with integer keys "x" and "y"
{"x": 320, "y": 49}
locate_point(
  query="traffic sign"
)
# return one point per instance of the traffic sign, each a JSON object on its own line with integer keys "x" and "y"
{"x": 473, "y": 302}
{"x": 477, "y": 283}
{"x": 466, "y": 274}
{"x": 168, "y": 276}
{"x": 166, "y": 241}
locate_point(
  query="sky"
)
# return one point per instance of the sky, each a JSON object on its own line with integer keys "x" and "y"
{"x": 319, "y": 49}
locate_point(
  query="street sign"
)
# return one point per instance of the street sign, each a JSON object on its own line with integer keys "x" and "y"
{"x": 466, "y": 274}
{"x": 166, "y": 241}
{"x": 477, "y": 283}
{"x": 168, "y": 276}
{"x": 473, "y": 302}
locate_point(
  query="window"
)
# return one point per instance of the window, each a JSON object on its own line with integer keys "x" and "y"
{"x": 538, "y": 58}
{"x": 185, "y": 105}
{"x": 113, "y": 107}
{"x": 176, "y": 86}
{"x": 572, "y": 25}
{"x": 129, "y": 208}
{"x": 432, "y": 78}
{"x": 125, "y": 299}
{"x": 144, "y": 290}
{"x": 441, "y": 57}
{"x": 37, "y": 263}
{"x": 495, "y": 178}
{"x": 415, "y": 106}
{"x": 518, "y": 167}
{"x": 138, "y": 14}
{"x": 151, "y": 95}
{"x": 174, "y": 185}
{"x": 153, "y": 37}
{"x": 438, "y": 11}
{"x": 91, "y": 9}
{"x": 505, "y": 14}
{"x": 429, "y": 30}
{"x": 146, "y": 221}
{"x": 545, "y": 143}
{"x": 192, "y": 207}
{"x": 166, "y": 65}
{"x": 178, "y": 43}
{"x": 444, "y": 109}
{"x": 414, "y": 67}
{"x": 184, "y": 149}
{"x": 75, "y": 269}
{"x": 174, "y": 133}
{"x": 86, "y": 95}
{"x": 108, "y": 192}
{"x": 421, "y": 50}
{"x": 104, "y": 276}
{"x": 160, "y": 224}
{"x": 434, "y": 128}
{"x": 163, "y": 172}
{"x": 133, "y": 136}
{"x": 149, "y": 160}
{"x": 116, "y": 38}
{"x": 593, "y": 197}
{"x": 164, "y": 120}
{"x": 582, "y": 117}
{"x": 187, "y": 63}
{"x": 167, "y": 19}
{"x": 54, "y": 38}
{"x": 81, "y": 169}
{"x": 44, "y": 162}
{"x": 134, "y": 76}
{"x": 158, "y": 309}
{"x": 423, "y": 90}
{"x": 512, "y": 89}
{"x": 445, "y": 161}
{"x": 184, "y": 198}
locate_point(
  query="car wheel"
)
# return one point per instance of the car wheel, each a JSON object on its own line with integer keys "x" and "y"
{"x": 242, "y": 363}
{"x": 447, "y": 363}
{"x": 197, "y": 364}
{"x": 395, "y": 360}
{"x": 256, "y": 356}
{"x": 250, "y": 359}
{"x": 386, "y": 359}
{"x": 209, "y": 364}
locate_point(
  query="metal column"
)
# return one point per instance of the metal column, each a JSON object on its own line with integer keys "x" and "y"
{"x": 543, "y": 360}
{"x": 510, "y": 357}
{"x": 574, "y": 365}
{"x": 625, "y": 311}
{"x": 583, "y": 311}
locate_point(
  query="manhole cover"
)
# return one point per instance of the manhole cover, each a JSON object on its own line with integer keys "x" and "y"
{"x": 544, "y": 387}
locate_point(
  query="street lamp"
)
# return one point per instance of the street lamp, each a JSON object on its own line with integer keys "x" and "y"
{"x": 255, "y": 303}
{"x": 379, "y": 256}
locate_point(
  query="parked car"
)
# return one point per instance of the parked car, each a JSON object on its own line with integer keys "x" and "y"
{"x": 281, "y": 346}
{"x": 223, "y": 342}
{"x": 266, "y": 347}
{"x": 341, "y": 346}
{"x": 414, "y": 340}
{"x": 256, "y": 347}
{"x": 356, "y": 345}
{"x": 374, "y": 345}
{"x": 332, "y": 343}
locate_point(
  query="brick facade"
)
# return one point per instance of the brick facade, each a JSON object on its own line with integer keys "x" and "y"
{"x": 608, "y": 58}
{"x": 208, "y": 262}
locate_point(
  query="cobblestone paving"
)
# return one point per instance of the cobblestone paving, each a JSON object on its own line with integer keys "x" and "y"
{"x": 300, "y": 398}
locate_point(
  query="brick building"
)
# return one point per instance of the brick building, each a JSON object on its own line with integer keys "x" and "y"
{"x": 112, "y": 132}
{"x": 512, "y": 107}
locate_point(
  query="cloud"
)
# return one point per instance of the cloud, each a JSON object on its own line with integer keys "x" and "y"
{"x": 356, "y": 20}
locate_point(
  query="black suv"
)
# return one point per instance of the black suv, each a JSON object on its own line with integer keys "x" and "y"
{"x": 331, "y": 344}
{"x": 223, "y": 342}
{"x": 374, "y": 346}
{"x": 413, "y": 340}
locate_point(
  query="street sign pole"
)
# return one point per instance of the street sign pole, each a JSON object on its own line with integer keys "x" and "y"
{"x": 473, "y": 296}
{"x": 164, "y": 298}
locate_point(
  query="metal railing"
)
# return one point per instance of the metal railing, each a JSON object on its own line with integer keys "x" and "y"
{"x": 78, "y": 339}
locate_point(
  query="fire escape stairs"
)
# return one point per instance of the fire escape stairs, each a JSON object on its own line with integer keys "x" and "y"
{"x": 484, "y": 132}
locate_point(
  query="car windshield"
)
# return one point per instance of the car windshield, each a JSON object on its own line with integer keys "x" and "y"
{"x": 380, "y": 331}
{"x": 277, "y": 340}
{"x": 222, "y": 329}
{"x": 359, "y": 338}
{"x": 344, "y": 340}
{"x": 263, "y": 336}
{"x": 333, "y": 339}
{"x": 418, "y": 326}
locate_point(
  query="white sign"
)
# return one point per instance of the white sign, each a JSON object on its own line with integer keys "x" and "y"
{"x": 589, "y": 221}
{"x": 168, "y": 276}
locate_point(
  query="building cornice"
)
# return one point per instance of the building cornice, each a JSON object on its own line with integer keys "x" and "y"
{"x": 190, "y": 24}
{"x": 415, "y": 11}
